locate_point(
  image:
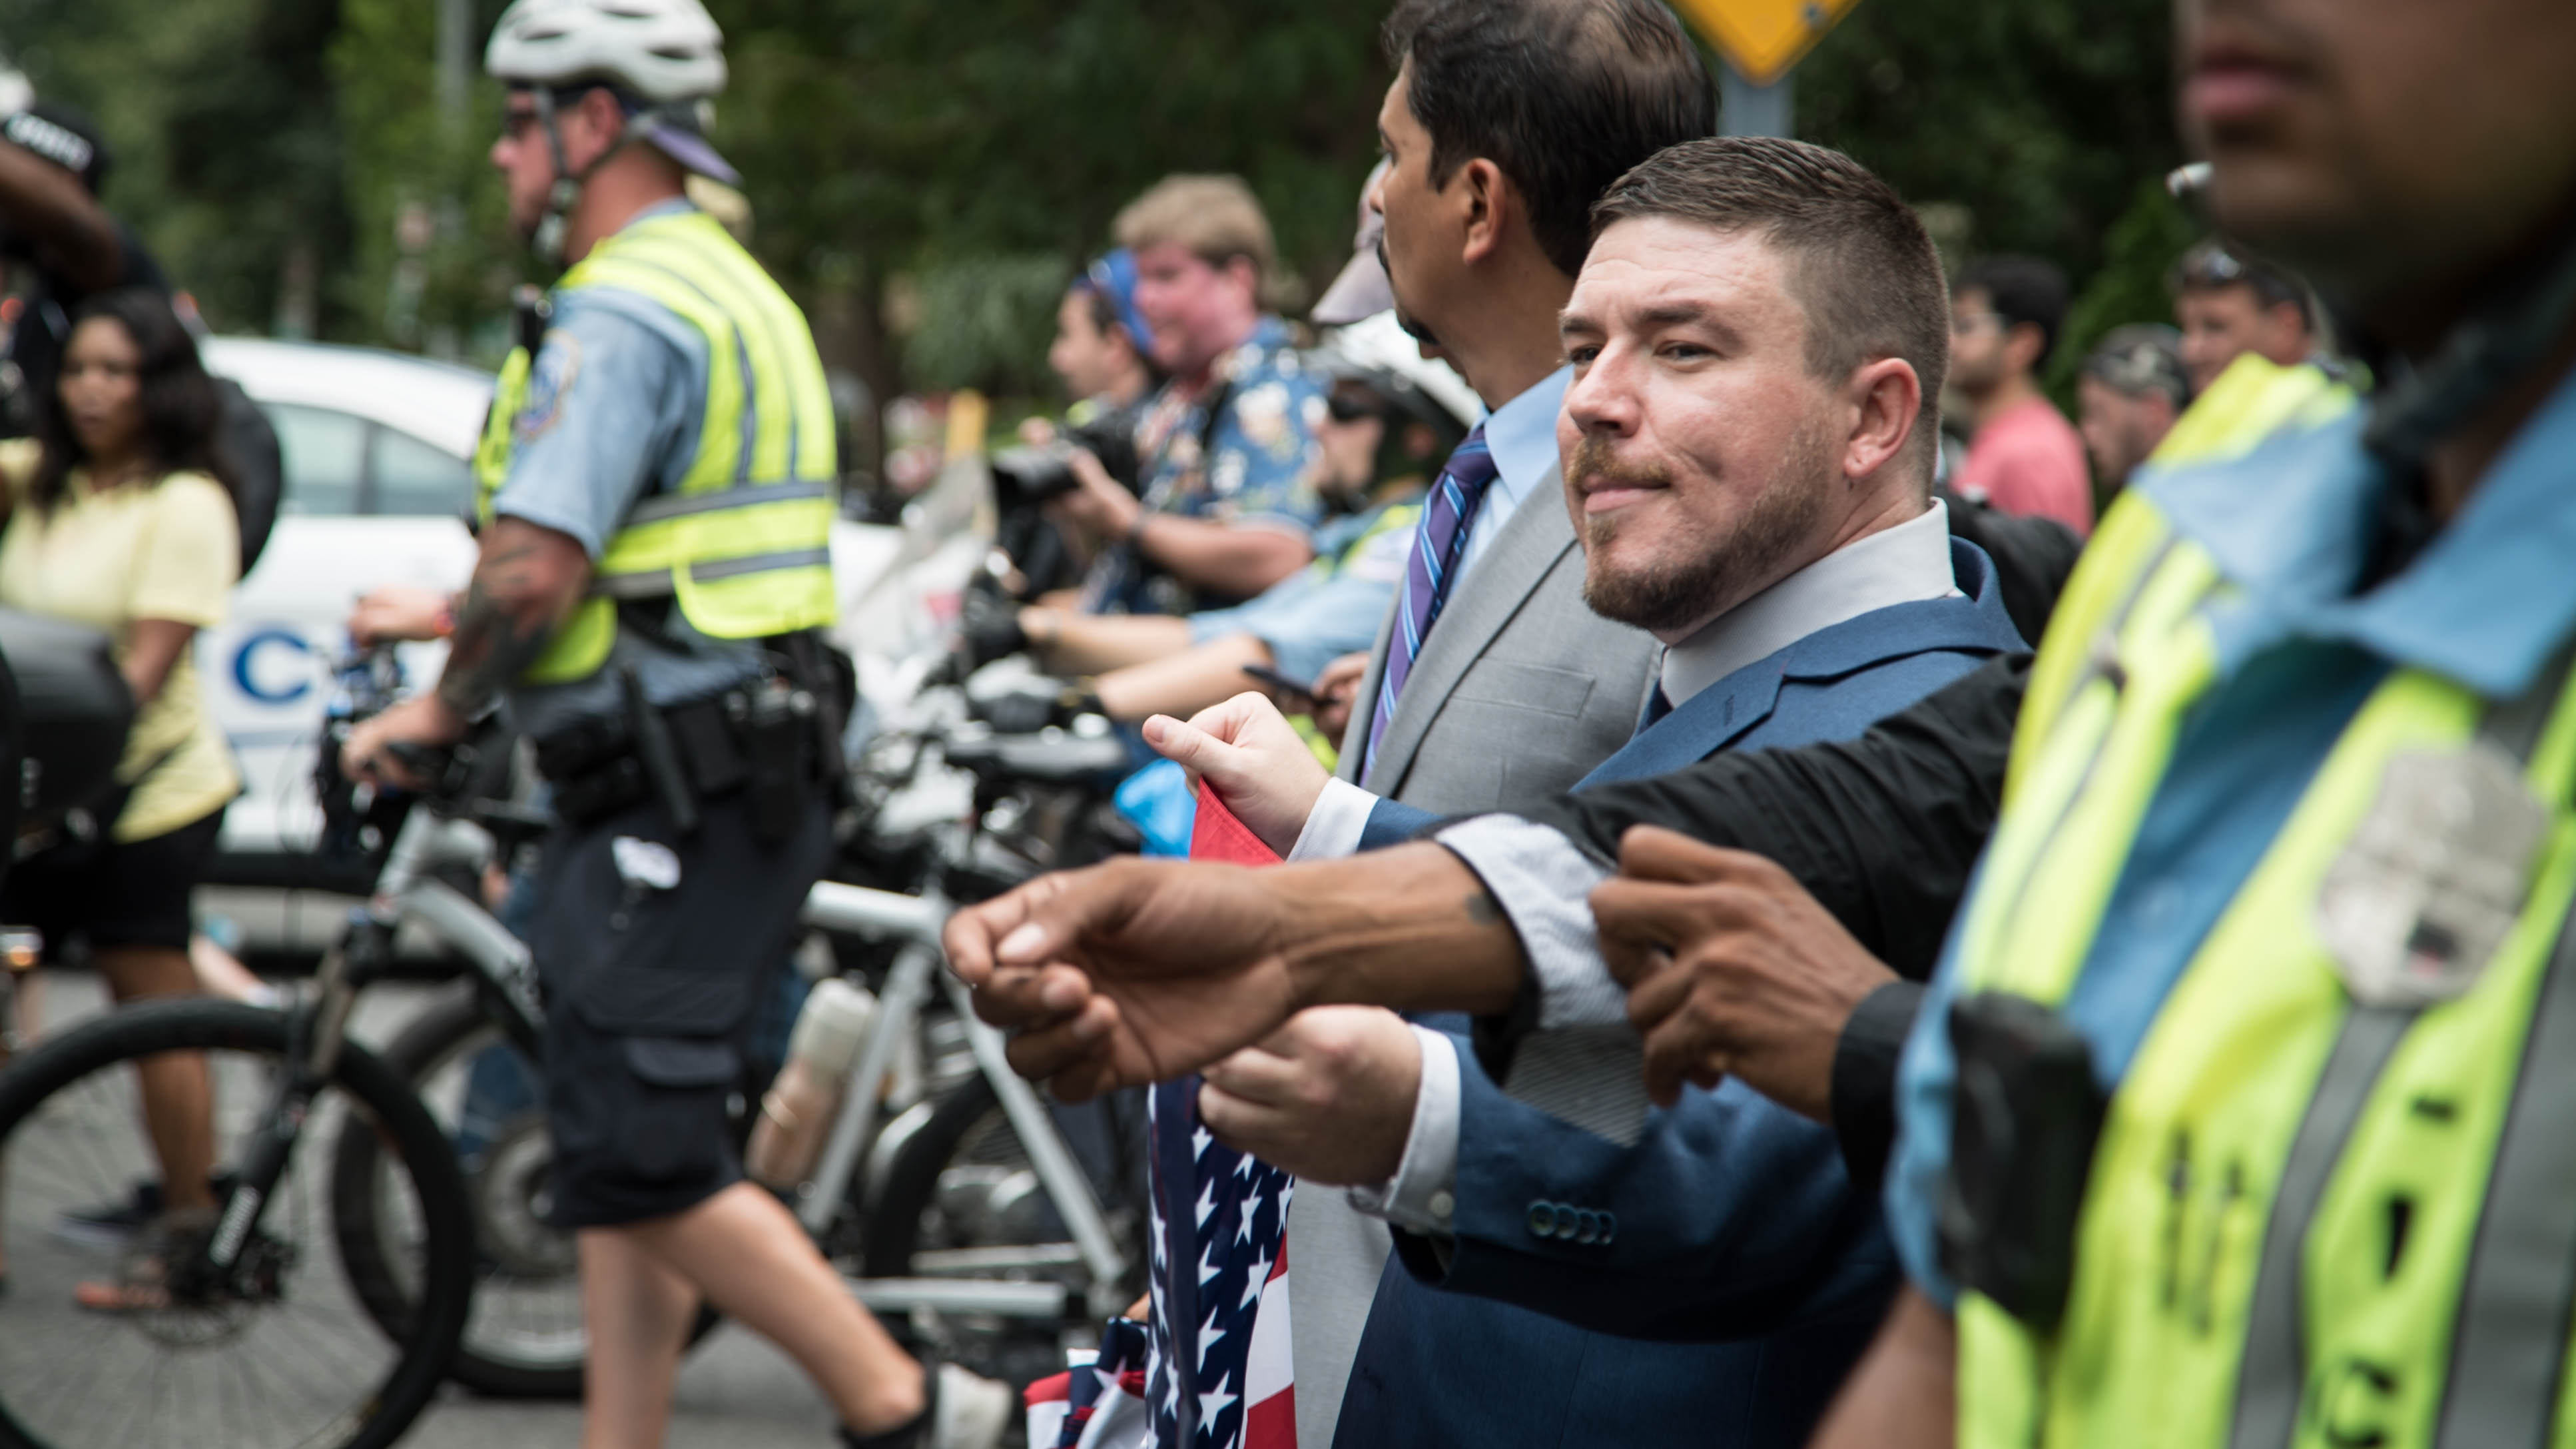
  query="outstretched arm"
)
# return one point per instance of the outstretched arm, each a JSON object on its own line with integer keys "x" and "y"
{"x": 1138, "y": 971}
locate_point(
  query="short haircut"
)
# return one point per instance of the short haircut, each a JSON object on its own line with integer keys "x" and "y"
{"x": 1861, "y": 266}
{"x": 1216, "y": 217}
{"x": 2215, "y": 265}
{"x": 2021, "y": 290}
{"x": 1562, "y": 95}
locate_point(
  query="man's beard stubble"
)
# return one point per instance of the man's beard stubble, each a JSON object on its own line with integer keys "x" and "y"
{"x": 1413, "y": 326}
{"x": 1667, "y": 599}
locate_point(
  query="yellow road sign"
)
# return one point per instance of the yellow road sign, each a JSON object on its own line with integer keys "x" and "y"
{"x": 1763, "y": 38}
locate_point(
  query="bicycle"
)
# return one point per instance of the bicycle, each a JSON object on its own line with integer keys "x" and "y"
{"x": 948, "y": 1195}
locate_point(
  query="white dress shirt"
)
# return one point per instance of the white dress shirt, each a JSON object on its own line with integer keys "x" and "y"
{"x": 1545, "y": 884}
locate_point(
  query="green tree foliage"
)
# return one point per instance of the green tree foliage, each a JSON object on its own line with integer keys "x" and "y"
{"x": 947, "y": 166}
{"x": 2049, "y": 121}
{"x": 220, "y": 115}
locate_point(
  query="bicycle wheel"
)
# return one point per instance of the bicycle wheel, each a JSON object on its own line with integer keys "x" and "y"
{"x": 963, "y": 1200}
{"x": 523, "y": 1335}
{"x": 285, "y": 1355}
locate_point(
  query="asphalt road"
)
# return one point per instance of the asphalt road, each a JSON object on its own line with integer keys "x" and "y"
{"x": 735, "y": 1391}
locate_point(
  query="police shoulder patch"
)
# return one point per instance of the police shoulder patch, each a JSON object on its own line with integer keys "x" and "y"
{"x": 550, "y": 381}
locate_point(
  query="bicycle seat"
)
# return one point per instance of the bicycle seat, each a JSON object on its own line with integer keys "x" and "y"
{"x": 1049, "y": 757}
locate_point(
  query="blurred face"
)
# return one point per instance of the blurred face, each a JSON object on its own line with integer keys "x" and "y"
{"x": 526, "y": 162}
{"x": 1197, "y": 311}
{"x": 1420, "y": 248}
{"x": 2120, "y": 430}
{"x": 102, "y": 387}
{"x": 2392, "y": 149}
{"x": 1349, "y": 437}
{"x": 1704, "y": 461}
{"x": 1089, "y": 359}
{"x": 1985, "y": 350}
{"x": 2221, "y": 324}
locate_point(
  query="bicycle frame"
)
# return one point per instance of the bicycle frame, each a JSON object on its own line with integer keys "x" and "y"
{"x": 505, "y": 969}
{"x": 917, "y": 922}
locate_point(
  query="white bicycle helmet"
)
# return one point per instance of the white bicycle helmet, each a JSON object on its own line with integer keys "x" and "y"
{"x": 663, "y": 51}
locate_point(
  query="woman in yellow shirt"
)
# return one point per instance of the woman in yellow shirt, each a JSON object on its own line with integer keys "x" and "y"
{"x": 117, "y": 519}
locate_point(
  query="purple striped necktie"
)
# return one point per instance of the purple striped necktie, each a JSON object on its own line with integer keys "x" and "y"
{"x": 1438, "y": 545}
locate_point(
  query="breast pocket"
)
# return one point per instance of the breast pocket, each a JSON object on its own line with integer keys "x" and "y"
{"x": 1537, "y": 687}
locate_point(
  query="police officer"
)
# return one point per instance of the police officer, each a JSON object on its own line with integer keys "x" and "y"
{"x": 658, "y": 480}
{"x": 2239, "y": 1112}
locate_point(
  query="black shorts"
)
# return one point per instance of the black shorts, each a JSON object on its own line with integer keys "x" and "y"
{"x": 132, "y": 893}
{"x": 654, "y": 953}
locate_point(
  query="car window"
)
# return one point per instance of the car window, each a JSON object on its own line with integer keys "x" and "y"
{"x": 416, "y": 478}
{"x": 325, "y": 457}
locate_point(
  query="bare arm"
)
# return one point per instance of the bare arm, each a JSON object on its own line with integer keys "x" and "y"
{"x": 1902, "y": 1396}
{"x": 153, "y": 652}
{"x": 525, "y": 586}
{"x": 1231, "y": 559}
{"x": 72, "y": 233}
{"x": 1071, "y": 643}
{"x": 1182, "y": 684}
{"x": 1137, "y": 971}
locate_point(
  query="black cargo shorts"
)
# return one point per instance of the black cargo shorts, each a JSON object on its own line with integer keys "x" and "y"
{"x": 654, "y": 951}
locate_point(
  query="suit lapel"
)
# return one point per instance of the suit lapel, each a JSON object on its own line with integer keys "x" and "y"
{"x": 1702, "y": 725}
{"x": 1364, "y": 703}
{"x": 1533, "y": 539}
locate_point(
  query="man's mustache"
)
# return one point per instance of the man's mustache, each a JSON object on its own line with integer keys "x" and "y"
{"x": 1594, "y": 466}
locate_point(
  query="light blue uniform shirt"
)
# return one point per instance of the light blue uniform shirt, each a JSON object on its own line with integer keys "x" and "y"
{"x": 1327, "y": 609}
{"x": 2487, "y": 604}
{"x": 617, "y": 397}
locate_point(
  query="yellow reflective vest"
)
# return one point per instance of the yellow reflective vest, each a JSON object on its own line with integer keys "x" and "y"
{"x": 2309, "y": 1219}
{"x": 743, "y": 545}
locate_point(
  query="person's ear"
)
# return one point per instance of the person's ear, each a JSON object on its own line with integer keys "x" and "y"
{"x": 1485, "y": 204}
{"x": 1882, "y": 404}
{"x": 2024, "y": 343}
{"x": 1242, "y": 273}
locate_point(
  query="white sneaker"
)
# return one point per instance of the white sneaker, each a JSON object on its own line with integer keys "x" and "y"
{"x": 968, "y": 1411}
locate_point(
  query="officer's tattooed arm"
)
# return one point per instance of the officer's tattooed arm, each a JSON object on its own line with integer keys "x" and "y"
{"x": 525, "y": 585}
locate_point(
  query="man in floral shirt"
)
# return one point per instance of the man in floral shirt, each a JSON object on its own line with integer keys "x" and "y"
{"x": 1229, "y": 503}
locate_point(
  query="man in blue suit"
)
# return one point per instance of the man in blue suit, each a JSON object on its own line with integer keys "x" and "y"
{"x": 1758, "y": 338}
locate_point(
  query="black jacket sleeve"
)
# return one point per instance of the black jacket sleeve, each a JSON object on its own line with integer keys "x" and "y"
{"x": 1881, "y": 830}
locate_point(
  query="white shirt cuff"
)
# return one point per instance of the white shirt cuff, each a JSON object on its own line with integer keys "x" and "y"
{"x": 1423, "y": 1195}
{"x": 1334, "y": 826}
{"x": 1544, "y": 885}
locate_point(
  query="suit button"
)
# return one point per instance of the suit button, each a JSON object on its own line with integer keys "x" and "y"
{"x": 1587, "y": 1226}
{"x": 1569, "y": 1221}
{"x": 1442, "y": 1205}
{"x": 1609, "y": 1228}
{"x": 1542, "y": 1219}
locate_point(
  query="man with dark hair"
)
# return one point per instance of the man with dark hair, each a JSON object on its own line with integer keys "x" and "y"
{"x": 2230, "y": 302}
{"x": 1754, "y": 337}
{"x": 2023, "y": 456}
{"x": 1505, "y": 121}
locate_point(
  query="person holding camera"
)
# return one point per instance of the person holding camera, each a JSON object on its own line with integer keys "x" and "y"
{"x": 1381, "y": 438}
{"x": 1227, "y": 506}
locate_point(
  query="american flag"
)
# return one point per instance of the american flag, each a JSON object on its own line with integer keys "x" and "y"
{"x": 1219, "y": 1376}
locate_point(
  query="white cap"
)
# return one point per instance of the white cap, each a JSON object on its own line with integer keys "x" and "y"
{"x": 1361, "y": 290}
{"x": 1381, "y": 341}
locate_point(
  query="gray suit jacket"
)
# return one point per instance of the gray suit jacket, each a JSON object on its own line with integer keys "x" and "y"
{"x": 1520, "y": 690}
